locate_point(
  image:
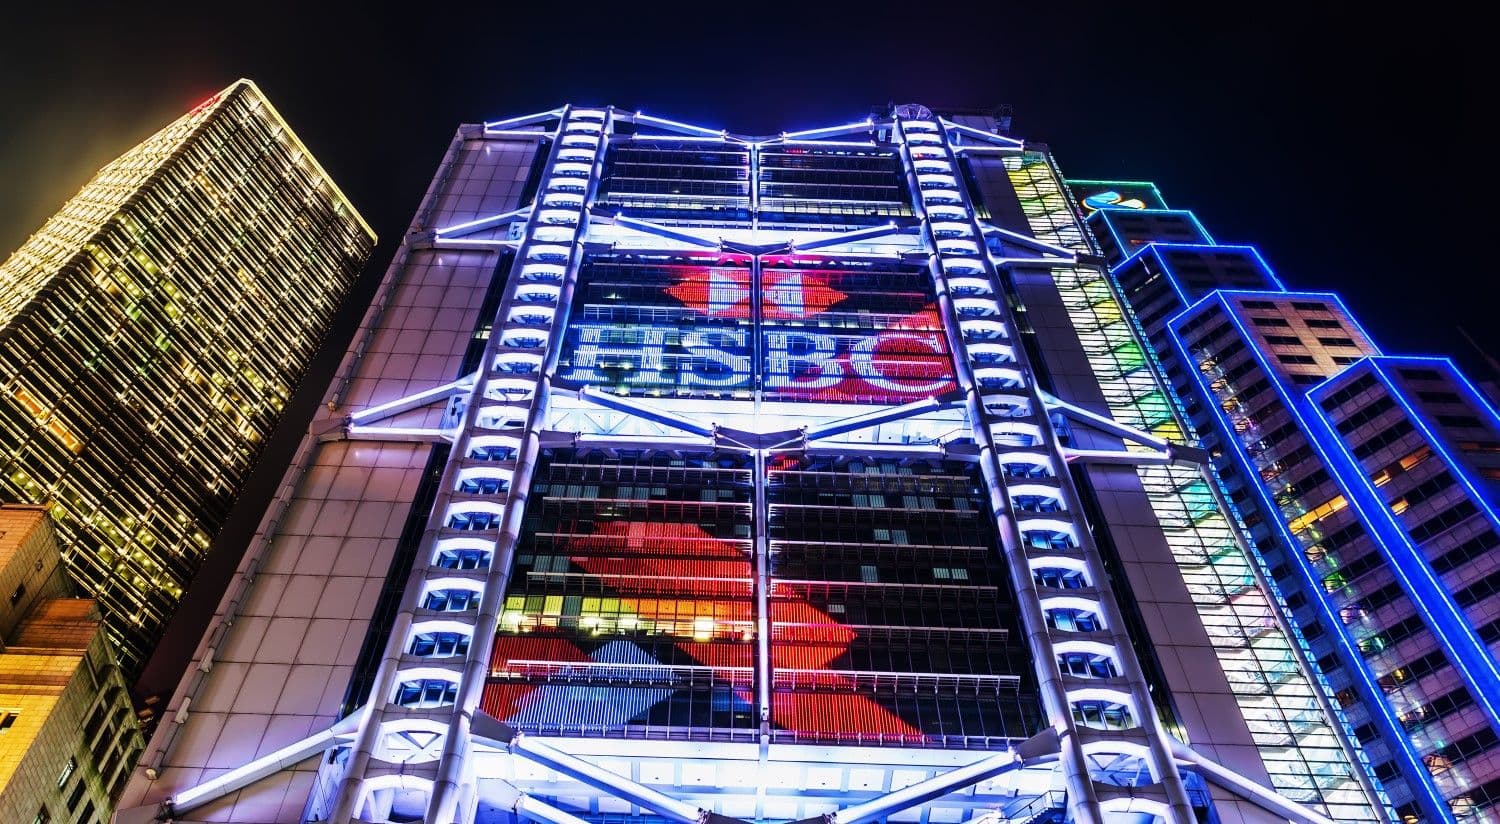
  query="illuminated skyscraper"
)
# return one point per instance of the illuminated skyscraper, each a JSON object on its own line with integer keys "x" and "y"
{"x": 685, "y": 476}
{"x": 151, "y": 333}
{"x": 68, "y": 737}
{"x": 1368, "y": 483}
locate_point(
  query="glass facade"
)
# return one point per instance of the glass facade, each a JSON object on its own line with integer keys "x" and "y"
{"x": 1361, "y": 481}
{"x": 705, "y": 475}
{"x": 1290, "y": 725}
{"x": 152, "y": 332}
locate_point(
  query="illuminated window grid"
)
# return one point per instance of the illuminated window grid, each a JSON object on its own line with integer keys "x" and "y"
{"x": 870, "y": 299}
{"x": 683, "y": 184}
{"x": 849, "y": 186}
{"x": 155, "y": 365}
{"x": 1389, "y": 639}
{"x": 1286, "y": 720}
{"x": 892, "y": 621}
{"x": 619, "y": 302}
{"x": 629, "y": 612}
{"x": 1310, "y": 520}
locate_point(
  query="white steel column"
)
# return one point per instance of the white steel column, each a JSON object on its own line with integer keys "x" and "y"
{"x": 481, "y": 498}
{"x": 988, "y": 356}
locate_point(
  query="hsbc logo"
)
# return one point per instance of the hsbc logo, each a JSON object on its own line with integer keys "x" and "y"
{"x": 822, "y": 339}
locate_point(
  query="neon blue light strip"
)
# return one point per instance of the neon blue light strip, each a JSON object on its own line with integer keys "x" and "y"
{"x": 1331, "y": 297}
{"x": 1424, "y": 790}
{"x": 1105, "y": 212}
{"x": 675, "y": 138}
{"x": 829, "y": 131}
{"x": 1029, "y": 242}
{"x": 1155, "y": 247}
{"x": 484, "y": 223}
{"x": 642, "y": 117}
{"x": 996, "y": 139}
{"x": 1470, "y": 655}
{"x": 523, "y": 120}
{"x": 869, "y": 144}
{"x": 1447, "y": 364}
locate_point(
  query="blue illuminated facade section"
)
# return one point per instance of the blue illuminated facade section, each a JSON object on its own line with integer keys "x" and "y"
{"x": 1435, "y": 750}
{"x": 1297, "y": 574}
{"x": 1446, "y": 618}
{"x": 1122, "y": 232}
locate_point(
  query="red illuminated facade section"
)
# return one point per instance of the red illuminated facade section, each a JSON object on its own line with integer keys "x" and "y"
{"x": 632, "y": 609}
{"x": 635, "y": 608}
{"x": 780, "y": 328}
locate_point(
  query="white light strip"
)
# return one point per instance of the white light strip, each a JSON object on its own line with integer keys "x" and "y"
{"x": 403, "y": 404}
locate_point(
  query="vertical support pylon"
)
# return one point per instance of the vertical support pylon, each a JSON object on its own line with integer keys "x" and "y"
{"x": 971, "y": 303}
{"x": 482, "y": 494}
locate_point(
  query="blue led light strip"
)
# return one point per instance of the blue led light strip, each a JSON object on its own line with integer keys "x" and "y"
{"x": 1395, "y": 733}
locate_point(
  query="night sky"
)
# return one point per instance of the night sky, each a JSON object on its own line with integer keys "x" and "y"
{"x": 1343, "y": 143}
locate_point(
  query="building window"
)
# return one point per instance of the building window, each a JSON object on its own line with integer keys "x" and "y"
{"x": 77, "y": 795}
{"x": 67, "y": 772}
{"x": 42, "y": 817}
{"x": 1419, "y": 374}
{"x": 8, "y": 720}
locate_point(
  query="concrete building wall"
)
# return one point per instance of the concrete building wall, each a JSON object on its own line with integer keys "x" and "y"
{"x": 67, "y": 733}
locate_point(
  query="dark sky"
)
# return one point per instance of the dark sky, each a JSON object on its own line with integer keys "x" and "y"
{"x": 1343, "y": 142}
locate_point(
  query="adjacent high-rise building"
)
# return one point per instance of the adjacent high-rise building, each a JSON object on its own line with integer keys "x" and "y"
{"x": 151, "y": 334}
{"x": 1367, "y": 483}
{"x": 68, "y": 737}
{"x": 678, "y": 475}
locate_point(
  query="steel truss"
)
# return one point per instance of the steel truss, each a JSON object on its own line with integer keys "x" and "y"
{"x": 384, "y": 746}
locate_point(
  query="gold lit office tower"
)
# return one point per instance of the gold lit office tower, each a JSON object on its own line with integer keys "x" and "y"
{"x": 151, "y": 334}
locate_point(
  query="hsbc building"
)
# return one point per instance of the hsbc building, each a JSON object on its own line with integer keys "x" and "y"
{"x": 681, "y": 475}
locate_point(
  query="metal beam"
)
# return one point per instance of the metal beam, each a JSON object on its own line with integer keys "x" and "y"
{"x": 848, "y": 237}
{"x": 1103, "y": 422}
{"x": 391, "y": 434}
{"x": 247, "y": 774}
{"x": 474, "y": 244}
{"x": 831, "y": 131}
{"x": 1263, "y": 797}
{"x": 657, "y": 229}
{"x": 1043, "y": 746}
{"x": 644, "y": 411}
{"x": 523, "y": 120}
{"x": 495, "y": 734}
{"x": 410, "y": 402}
{"x": 661, "y": 443}
{"x": 998, "y": 140}
{"x": 458, "y": 230}
{"x": 544, "y": 813}
{"x": 1065, "y": 255}
{"x": 877, "y": 417}
{"x": 673, "y": 126}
